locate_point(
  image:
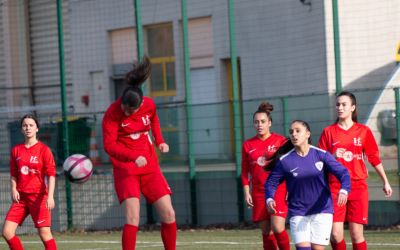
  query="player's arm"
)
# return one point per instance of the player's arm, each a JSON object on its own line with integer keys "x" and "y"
{"x": 50, "y": 170}
{"x": 245, "y": 177}
{"x": 323, "y": 141}
{"x": 111, "y": 145}
{"x": 342, "y": 174}
{"x": 371, "y": 151}
{"x": 50, "y": 204}
{"x": 13, "y": 179}
{"x": 274, "y": 179}
{"x": 156, "y": 132}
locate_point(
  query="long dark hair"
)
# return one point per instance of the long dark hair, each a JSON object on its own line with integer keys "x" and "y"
{"x": 285, "y": 148}
{"x": 353, "y": 102}
{"x": 30, "y": 116}
{"x": 133, "y": 94}
{"x": 264, "y": 107}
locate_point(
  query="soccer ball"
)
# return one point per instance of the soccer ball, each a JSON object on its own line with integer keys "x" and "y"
{"x": 78, "y": 168}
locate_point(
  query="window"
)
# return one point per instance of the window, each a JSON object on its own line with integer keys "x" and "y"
{"x": 160, "y": 47}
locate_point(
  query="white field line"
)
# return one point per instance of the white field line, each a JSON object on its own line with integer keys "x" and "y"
{"x": 178, "y": 243}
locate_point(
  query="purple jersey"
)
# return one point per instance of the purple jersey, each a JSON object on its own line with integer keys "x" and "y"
{"x": 307, "y": 181}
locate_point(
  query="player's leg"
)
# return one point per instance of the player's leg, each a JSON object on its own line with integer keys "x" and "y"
{"x": 278, "y": 220}
{"x": 357, "y": 215}
{"x": 41, "y": 217}
{"x": 168, "y": 224}
{"x": 15, "y": 217}
{"x": 269, "y": 241}
{"x": 9, "y": 229}
{"x": 281, "y": 236}
{"x": 357, "y": 236}
{"x": 47, "y": 238}
{"x": 157, "y": 191}
{"x": 339, "y": 216}
{"x": 127, "y": 189}
{"x": 321, "y": 226}
{"x": 300, "y": 232}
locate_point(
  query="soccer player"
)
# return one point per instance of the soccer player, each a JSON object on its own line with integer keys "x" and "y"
{"x": 349, "y": 141}
{"x": 255, "y": 152}
{"x": 127, "y": 140}
{"x": 33, "y": 171}
{"x": 305, "y": 169}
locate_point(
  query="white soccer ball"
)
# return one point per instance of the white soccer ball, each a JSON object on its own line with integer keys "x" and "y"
{"x": 78, "y": 168}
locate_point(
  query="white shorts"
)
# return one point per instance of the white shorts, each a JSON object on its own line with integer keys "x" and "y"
{"x": 314, "y": 228}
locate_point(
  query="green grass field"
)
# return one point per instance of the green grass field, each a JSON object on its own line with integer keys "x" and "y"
{"x": 190, "y": 239}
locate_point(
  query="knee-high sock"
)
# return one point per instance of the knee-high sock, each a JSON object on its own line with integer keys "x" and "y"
{"x": 50, "y": 245}
{"x": 129, "y": 237}
{"x": 15, "y": 244}
{"x": 269, "y": 242}
{"x": 283, "y": 241}
{"x": 168, "y": 235}
{"x": 360, "y": 246}
{"x": 339, "y": 246}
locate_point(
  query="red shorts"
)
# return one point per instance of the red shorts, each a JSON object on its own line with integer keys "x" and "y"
{"x": 260, "y": 212}
{"x": 30, "y": 204}
{"x": 153, "y": 185}
{"x": 356, "y": 209}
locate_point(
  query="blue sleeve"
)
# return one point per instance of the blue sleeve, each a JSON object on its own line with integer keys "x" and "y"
{"x": 339, "y": 171}
{"x": 274, "y": 179}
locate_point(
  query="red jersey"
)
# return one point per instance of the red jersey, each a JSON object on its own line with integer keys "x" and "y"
{"x": 31, "y": 166}
{"x": 357, "y": 142}
{"x": 254, "y": 154}
{"x": 125, "y": 138}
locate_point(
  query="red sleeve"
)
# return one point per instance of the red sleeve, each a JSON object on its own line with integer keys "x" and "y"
{"x": 48, "y": 162}
{"x": 156, "y": 127}
{"x": 323, "y": 142}
{"x": 110, "y": 141}
{"x": 245, "y": 167}
{"x": 371, "y": 149}
{"x": 13, "y": 164}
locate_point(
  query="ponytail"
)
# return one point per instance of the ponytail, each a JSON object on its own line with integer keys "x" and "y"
{"x": 133, "y": 94}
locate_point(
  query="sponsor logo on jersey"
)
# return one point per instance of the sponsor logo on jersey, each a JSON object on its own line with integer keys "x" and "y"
{"x": 146, "y": 120}
{"x": 135, "y": 136}
{"x": 271, "y": 148}
{"x": 34, "y": 160}
{"x": 261, "y": 161}
{"x": 319, "y": 165}
{"x": 251, "y": 151}
{"x": 124, "y": 125}
{"x": 24, "y": 170}
{"x": 357, "y": 141}
{"x": 348, "y": 156}
{"x": 336, "y": 142}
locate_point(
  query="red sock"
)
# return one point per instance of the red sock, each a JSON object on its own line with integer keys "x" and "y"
{"x": 14, "y": 243}
{"x": 168, "y": 235}
{"x": 129, "y": 237}
{"x": 269, "y": 242}
{"x": 50, "y": 245}
{"x": 360, "y": 246}
{"x": 339, "y": 246}
{"x": 283, "y": 241}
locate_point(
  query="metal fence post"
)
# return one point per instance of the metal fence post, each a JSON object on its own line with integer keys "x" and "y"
{"x": 65, "y": 139}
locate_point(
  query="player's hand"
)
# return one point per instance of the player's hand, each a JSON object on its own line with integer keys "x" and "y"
{"x": 342, "y": 199}
{"x": 271, "y": 206}
{"x": 15, "y": 196}
{"x": 141, "y": 161}
{"x": 163, "y": 147}
{"x": 50, "y": 203}
{"x": 249, "y": 200}
{"x": 387, "y": 189}
{"x": 339, "y": 152}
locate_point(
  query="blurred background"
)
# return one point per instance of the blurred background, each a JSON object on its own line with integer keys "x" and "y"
{"x": 213, "y": 63}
